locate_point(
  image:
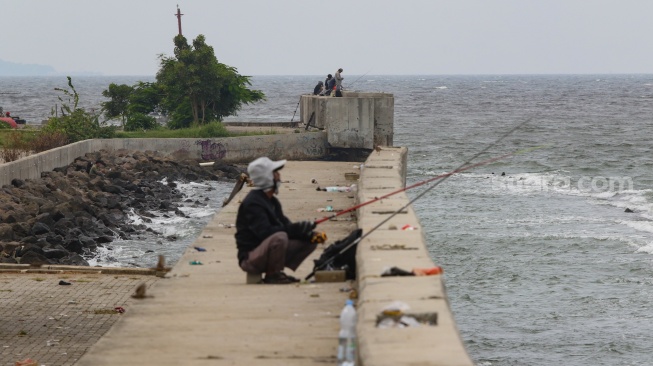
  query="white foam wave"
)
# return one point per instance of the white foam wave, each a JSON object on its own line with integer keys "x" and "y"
{"x": 648, "y": 248}
{"x": 171, "y": 232}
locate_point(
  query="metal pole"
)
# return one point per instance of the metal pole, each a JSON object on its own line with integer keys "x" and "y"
{"x": 178, "y": 15}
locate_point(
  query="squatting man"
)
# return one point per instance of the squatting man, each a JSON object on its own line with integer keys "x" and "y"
{"x": 266, "y": 239}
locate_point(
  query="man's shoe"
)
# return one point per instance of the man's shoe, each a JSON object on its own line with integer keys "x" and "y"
{"x": 278, "y": 278}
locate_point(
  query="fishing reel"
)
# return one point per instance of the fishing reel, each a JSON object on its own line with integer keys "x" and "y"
{"x": 318, "y": 237}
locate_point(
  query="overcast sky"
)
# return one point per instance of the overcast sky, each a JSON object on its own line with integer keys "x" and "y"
{"x": 314, "y": 37}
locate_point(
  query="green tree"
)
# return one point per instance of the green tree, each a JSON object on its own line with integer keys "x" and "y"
{"x": 118, "y": 101}
{"x": 197, "y": 88}
{"x": 144, "y": 100}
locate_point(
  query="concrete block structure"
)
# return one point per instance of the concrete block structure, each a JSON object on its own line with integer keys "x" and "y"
{"x": 355, "y": 120}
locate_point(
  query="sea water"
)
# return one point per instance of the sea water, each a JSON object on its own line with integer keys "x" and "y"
{"x": 542, "y": 264}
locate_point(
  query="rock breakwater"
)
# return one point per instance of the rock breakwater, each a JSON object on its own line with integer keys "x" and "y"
{"x": 71, "y": 211}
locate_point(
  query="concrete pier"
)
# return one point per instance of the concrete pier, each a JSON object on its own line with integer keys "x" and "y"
{"x": 207, "y": 312}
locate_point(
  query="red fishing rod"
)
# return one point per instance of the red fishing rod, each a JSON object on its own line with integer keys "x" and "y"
{"x": 418, "y": 184}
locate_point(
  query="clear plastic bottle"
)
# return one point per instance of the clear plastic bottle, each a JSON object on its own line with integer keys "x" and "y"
{"x": 347, "y": 335}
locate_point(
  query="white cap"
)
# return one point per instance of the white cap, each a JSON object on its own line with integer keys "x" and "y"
{"x": 261, "y": 172}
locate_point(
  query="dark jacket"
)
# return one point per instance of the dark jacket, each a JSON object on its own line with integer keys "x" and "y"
{"x": 258, "y": 217}
{"x": 331, "y": 83}
{"x": 317, "y": 89}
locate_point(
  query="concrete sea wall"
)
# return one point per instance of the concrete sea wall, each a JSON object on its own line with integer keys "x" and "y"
{"x": 390, "y": 246}
{"x": 355, "y": 120}
{"x": 294, "y": 146}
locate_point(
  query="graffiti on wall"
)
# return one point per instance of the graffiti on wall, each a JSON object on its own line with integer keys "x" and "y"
{"x": 211, "y": 150}
{"x": 313, "y": 146}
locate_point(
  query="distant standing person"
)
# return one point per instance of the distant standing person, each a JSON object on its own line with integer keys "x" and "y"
{"x": 318, "y": 88}
{"x": 339, "y": 82}
{"x": 329, "y": 83}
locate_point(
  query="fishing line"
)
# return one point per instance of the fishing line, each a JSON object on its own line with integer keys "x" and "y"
{"x": 350, "y": 85}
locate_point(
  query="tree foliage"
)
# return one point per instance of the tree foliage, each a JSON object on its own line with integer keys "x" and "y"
{"x": 118, "y": 101}
{"x": 199, "y": 89}
{"x": 191, "y": 87}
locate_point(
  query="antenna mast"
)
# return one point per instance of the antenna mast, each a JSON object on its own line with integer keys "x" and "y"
{"x": 178, "y": 15}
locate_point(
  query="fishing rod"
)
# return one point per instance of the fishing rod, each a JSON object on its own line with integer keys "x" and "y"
{"x": 442, "y": 179}
{"x": 293, "y": 115}
{"x": 418, "y": 184}
{"x": 350, "y": 86}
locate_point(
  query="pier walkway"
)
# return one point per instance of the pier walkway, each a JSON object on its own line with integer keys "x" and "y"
{"x": 206, "y": 314}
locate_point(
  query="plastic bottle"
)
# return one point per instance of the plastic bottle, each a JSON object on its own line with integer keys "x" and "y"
{"x": 341, "y": 188}
{"x": 347, "y": 335}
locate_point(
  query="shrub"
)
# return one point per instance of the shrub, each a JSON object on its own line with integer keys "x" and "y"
{"x": 46, "y": 140}
{"x": 213, "y": 129}
{"x": 140, "y": 121}
{"x": 14, "y": 147}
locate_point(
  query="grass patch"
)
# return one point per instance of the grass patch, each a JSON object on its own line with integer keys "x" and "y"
{"x": 213, "y": 129}
{"x": 38, "y": 279}
{"x": 22, "y": 333}
{"x": 6, "y": 290}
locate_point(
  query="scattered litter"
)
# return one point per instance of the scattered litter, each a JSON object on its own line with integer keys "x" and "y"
{"x": 396, "y": 271}
{"x": 392, "y": 247}
{"x": 351, "y": 188}
{"x": 326, "y": 209}
{"x": 52, "y": 342}
{"x": 408, "y": 227}
{"x": 200, "y": 249}
{"x": 403, "y": 322}
{"x": 119, "y": 309}
{"x": 26, "y": 362}
{"x": 72, "y": 302}
{"x": 64, "y": 283}
{"x": 195, "y": 263}
{"x": 207, "y": 236}
{"x": 314, "y": 181}
{"x": 395, "y": 308}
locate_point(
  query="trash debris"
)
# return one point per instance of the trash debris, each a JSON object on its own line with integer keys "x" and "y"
{"x": 351, "y": 188}
{"x": 64, "y": 283}
{"x": 395, "y": 271}
{"x": 428, "y": 271}
{"x": 52, "y": 342}
{"x": 314, "y": 181}
{"x": 119, "y": 309}
{"x": 26, "y": 362}
{"x": 395, "y": 308}
{"x": 207, "y": 236}
{"x": 392, "y": 247}
{"x": 408, "y": 227}
{"x": 200, "y": 249}
{"x": 403, "y": 322}
{"x": 195, "y": 263}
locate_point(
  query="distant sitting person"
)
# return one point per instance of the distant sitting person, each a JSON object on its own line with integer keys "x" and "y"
{"x": 267, "y": 241}
{"x": 318, "y": 88}
{"x": 329, "y": 83}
